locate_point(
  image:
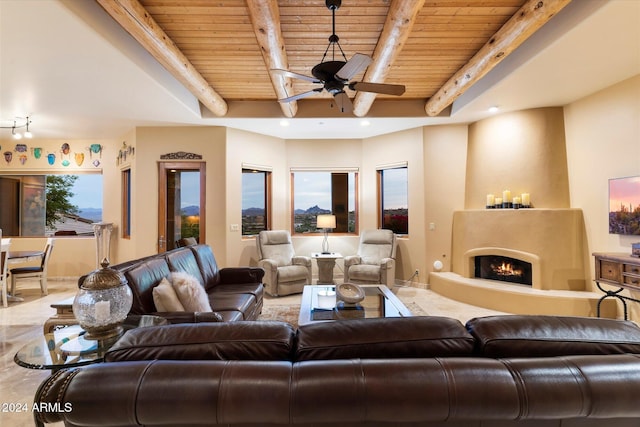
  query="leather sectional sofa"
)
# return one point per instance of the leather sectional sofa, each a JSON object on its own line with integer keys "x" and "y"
{"x": 500, "y": 371}
{"x": 235, "y": 293}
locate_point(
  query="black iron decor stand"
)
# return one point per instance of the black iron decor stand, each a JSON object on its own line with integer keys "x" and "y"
{"x": 614, "y": 294}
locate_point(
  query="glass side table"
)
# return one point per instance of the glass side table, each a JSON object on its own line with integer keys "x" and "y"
{"x": 66, "y": 347}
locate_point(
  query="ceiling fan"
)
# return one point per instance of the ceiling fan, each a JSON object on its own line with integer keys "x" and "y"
{"x": 335, "y": 75}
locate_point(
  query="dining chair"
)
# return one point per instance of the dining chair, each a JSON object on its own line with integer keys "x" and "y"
{"x": 4, "y": 262}
{"x": 36, "y": 272}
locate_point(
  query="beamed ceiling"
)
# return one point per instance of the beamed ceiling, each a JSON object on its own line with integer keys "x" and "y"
{"x": 91, "y": 69}
{"x": 224, "y": 51}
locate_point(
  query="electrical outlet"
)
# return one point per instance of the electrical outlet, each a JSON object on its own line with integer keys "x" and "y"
{"x": 234, "y": 227}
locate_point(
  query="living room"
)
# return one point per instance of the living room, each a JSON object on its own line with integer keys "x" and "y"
{"x": 562, "y": 154}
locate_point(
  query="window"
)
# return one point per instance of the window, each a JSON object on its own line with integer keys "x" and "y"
{"x": 324, "y": 192}
{"x": 393, "y": 196}
{"x": 126, "y": 203}
{"x": 60, "y": 204}
{"x": 256, "y": 204}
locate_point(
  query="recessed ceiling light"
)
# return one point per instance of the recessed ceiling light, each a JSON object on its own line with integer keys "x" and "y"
{"x": 493, "y": 109}
{"x": 365, "y": 123}
{"x": 284, "y": 123}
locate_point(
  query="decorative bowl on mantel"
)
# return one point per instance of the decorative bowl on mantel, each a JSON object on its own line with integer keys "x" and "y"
{"x": 349, "y": 293}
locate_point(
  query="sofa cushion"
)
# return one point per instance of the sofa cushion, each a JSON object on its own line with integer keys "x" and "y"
{"x": 184, "y": 260}
{"x": 232, "y": 302}
{"x": 208, "y": 265}
{"x": 206, "y": 341}
{"x": 292, "y": 273}
{"x": 399, "y": 337}
{"x": 142, "y": 278}
{"x": 543, "y": 336}
{"x": 190, "y": 292}
{"x": 365, "y": 272}
{"x": 165, "y": 297}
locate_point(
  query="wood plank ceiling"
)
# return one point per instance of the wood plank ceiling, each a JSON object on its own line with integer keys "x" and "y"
{"x": 232, "y": 44}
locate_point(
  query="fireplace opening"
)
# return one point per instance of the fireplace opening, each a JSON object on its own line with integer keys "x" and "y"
{"x": 505, "y": 269}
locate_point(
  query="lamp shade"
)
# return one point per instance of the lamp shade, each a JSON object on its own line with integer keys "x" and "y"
{"x": 326, "y": 221}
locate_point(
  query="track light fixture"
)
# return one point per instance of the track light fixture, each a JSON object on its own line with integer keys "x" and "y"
{"x": 19, "y": 123}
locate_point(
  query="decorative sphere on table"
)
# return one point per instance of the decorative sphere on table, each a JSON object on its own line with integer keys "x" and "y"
{"x": 102, "y": 303}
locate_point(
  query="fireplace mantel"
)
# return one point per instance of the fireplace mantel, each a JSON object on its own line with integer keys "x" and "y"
{"x": 555, "y": 239}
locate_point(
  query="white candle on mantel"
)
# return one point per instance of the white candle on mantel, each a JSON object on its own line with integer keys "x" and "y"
{"x": 103, "y": 310}
{"x": 506, "y": 196}
{"x": 526, "y": 201}
{"x": 498, "y": 201}
{"x": 490, "y": 200}
{"x": 516, "y": 200}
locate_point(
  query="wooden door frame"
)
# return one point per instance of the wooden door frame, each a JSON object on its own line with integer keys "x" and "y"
{"x": 163, "y": 167}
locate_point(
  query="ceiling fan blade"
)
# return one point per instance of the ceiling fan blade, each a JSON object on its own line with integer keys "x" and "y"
{"x": 343, "y": 102}
{"x": 378, "y": 88}
{"x": 301, "y": 95}
{"x": 296, "y": 75}
{"x": 357, "y": 63}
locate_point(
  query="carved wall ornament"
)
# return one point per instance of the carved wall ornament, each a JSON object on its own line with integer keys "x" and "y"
{"x": 181, "y": 155}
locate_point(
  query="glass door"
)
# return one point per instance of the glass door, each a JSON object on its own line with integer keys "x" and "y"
{"x": 182, "y": 201}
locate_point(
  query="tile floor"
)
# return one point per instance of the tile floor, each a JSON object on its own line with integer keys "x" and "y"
{"x": 22, "y": 322}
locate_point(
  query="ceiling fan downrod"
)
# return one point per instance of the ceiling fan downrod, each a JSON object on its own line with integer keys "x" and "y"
{"x": 334, "y": 40}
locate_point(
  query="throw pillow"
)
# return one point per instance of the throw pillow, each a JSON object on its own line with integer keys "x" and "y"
{"x": 190, "y": 292}
{"x": 165, "y": 298}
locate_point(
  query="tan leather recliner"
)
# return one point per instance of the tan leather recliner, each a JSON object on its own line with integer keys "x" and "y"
{"x": 375, "y": 262}
{"x": 285, "y": 272}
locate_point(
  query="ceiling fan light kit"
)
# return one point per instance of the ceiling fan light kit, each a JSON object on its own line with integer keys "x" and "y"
{"x": 334, "y": 75}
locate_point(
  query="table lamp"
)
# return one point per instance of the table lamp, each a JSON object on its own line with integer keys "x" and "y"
{"x": 326, "y": 222}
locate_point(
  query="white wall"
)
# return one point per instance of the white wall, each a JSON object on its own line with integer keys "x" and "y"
{"x": 258, "y": 150}
{"x": 445, "y": 159}
{"x": 406, "y": 146}
{"x": 603, "y": 142}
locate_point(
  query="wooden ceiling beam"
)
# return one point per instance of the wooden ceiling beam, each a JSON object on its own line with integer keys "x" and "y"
{"x": 531, "y": 16}
{"x": 265, "y": 17}
{"x": 132, "y": 16}
{"x": 397, "y": 28}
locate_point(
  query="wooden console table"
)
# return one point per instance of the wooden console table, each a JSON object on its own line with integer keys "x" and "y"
{"x": 617, "y": 269}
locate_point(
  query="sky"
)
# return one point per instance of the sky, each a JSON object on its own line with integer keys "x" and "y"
{"x": 311, "y": 188}
{"x": 88, "y": 191}
{"x": 314, "y": 188}
{"x": 624, "y": 191}
{"x": 395, "y": 188}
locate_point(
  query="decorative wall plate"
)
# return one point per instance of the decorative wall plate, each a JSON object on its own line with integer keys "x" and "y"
{"x": 79, "y": 158}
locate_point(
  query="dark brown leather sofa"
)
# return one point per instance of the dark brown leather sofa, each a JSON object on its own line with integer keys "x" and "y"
{"x": 235, "y": 293}
{"x": 502, "y": 371}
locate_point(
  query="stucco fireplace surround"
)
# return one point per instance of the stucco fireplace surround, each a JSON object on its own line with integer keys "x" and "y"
{"x": 553, "y": 241}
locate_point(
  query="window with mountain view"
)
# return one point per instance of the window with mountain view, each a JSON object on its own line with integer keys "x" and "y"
{"x": 256, "y": 189}
{"x": 393, "y": 194}
{"x": 320, "y": 192}
{"x": 45, "y": 205}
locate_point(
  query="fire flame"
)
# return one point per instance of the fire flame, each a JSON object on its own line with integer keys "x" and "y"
{"x": 506, "y": 269}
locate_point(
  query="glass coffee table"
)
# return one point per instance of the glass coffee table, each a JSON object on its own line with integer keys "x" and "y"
{"x": 66, "y": 346}
{"x": 319, "y": 303}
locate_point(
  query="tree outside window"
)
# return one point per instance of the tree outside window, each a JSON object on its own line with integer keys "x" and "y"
{"x": 42, "y": 205}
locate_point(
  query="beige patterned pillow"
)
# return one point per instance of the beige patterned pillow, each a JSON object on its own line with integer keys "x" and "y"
{"x": 165, "y": 298}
